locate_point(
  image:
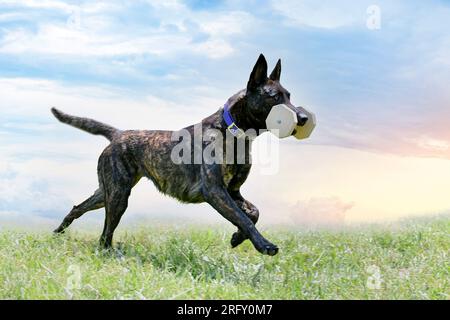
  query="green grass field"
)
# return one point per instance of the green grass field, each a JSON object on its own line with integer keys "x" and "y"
{"x": 405, "y": 261}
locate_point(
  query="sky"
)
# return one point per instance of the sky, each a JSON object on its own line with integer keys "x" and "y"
{"x": 375, "y": 73}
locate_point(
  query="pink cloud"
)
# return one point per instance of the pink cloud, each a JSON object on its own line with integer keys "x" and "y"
{"x": 322, "y": 211}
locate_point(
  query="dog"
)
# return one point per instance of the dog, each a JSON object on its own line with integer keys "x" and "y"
{"x": 132, "y": 155}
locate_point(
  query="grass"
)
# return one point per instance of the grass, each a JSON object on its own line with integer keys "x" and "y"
{"x": 405, "y": 262}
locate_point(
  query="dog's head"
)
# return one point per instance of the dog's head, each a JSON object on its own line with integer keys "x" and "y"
{"x": 263, "y": 93}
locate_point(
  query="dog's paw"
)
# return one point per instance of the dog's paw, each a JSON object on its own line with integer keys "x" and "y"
{"x": 271, "y": 250}
{"x": 267, "y": 248}
{"x": 237, "y": 239}
{"x": 59, "y": 231}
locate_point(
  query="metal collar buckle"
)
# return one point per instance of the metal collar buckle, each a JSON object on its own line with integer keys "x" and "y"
{"x": 235, "y": 130}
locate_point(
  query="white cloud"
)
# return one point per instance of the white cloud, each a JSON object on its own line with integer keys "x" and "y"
{"x": 214, "y": 48}
{"x": 321, "y": 14}
{"x": 61, "y": 40}
{"x": 5, "y": 17}
{"x": 33, "y": 98}
{"x": 90, "y": 7}
{"x": 24, "y": 190}
{"x": 99, "y": 30}
{"x": 235, "y": 22}
{"x": 40, "y": 4}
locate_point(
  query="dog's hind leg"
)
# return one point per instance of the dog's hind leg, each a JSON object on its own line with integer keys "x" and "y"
{"x": 116, "y": 204}
{"x": 94, "y": 202}
{"x": 117, "y": 175}
{"x": 250, "y": 210}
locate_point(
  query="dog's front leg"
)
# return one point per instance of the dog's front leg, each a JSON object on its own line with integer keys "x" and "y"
{"x": 218, "y": 197}
{"x": 250, "y": 210}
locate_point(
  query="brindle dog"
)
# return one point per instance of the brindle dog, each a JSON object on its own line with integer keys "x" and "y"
{"x": 132, "y": 155}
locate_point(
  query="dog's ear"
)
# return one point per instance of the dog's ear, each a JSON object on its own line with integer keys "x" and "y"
{"x": 259, "y": 74}
{"x": 276, "y": 73}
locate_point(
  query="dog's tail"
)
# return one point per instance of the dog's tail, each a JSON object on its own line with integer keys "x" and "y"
{"x": 88, "y": 125}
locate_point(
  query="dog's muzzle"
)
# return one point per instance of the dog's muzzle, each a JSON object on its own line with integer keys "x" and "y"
{"x": 283, "y": 122}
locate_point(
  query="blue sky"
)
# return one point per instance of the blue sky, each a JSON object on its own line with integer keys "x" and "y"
{"x": 166, "y": 64}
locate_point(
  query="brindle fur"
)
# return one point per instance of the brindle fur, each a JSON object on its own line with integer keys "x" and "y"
{"x": 132, "y": 155}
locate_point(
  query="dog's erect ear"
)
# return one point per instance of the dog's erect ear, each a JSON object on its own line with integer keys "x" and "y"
{"x": 259, "y": 73}
{"x": 276, "y": 73}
